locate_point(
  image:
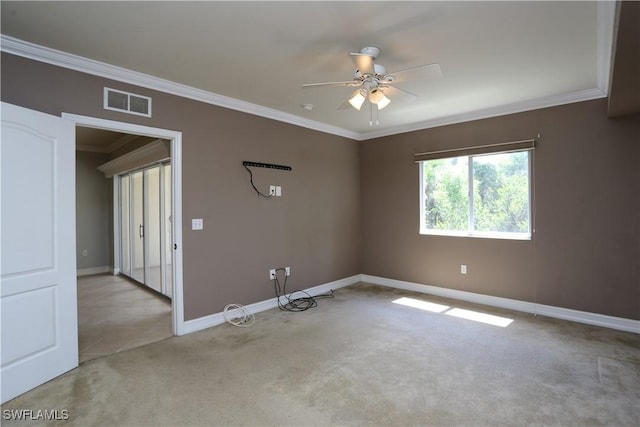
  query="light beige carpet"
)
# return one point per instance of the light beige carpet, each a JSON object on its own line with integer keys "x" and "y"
{"x": 115, "y": 314}
{"x": 360, "y": 359}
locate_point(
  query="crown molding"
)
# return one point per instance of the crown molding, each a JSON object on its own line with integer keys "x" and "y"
{"x": 70, "y": 61}
{"x": 605, "y": 25}
{"x": 501, "y": 110}
{"x": 154, "y": 152}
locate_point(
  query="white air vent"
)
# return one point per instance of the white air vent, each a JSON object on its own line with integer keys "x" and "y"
{"x": 125, "y": 102}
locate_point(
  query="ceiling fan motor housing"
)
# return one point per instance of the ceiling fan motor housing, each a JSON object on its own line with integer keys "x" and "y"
{"x": 370, "y": 51}
{"x": 380, "y": 72}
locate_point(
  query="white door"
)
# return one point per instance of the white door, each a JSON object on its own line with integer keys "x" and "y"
{"x": 38, "y": 302}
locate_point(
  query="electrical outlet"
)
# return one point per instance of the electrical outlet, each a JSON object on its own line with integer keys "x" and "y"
{"x": 272, "y": 190}
{"x": 278, "y": 191}
{"x": 272, "y": 274}
{"x": 287, "y": 271}
{"x": 463, "y": 269}
{"x": 84, "y": 252}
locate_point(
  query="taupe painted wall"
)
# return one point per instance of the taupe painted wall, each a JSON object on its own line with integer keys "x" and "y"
{"x": 352, "y": 208}
{"x": 93, "y": 211}
{"x": 314, "y": 228}
{"x": 586, "y": 251}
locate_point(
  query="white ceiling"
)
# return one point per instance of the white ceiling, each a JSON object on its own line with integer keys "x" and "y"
{"x": 496, "y": 57}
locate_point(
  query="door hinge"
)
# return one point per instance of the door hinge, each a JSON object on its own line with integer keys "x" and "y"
{"x": 175, "y": 246}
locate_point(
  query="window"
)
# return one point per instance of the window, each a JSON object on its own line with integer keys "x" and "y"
{"x": 484, "y": 195}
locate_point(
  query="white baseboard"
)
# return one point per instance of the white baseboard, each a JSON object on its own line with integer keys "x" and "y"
{"x": 114, "y": 271}
{"x": 218, "y": 318}
{"x": 595, "y": 319}
{"x": 93, "y": 270}
{"x": 612, "y": 322}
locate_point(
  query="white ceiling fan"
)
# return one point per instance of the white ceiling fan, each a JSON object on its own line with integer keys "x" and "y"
{"x": 373, "y": 82}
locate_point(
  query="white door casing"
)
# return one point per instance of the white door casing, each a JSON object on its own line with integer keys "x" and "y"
{"x": 179, "y": 327}
{"x": 38, "y": 302}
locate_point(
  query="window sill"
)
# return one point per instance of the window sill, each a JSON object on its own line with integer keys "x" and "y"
{"x": 499, "y": 236}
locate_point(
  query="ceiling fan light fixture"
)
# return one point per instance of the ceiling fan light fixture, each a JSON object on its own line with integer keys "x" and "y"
{"x": 377, "y": 97}
{"x": 357, "y": 100}
{"x": 383, "y": 102}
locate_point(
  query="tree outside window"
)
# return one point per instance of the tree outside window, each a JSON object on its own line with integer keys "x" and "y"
{"x": 477, "y": 195}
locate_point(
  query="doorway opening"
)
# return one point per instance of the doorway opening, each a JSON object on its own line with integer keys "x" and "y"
{"x": 148, "y": 269}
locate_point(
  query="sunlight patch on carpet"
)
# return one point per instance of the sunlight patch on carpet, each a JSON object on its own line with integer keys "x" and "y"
{"x": 480, "y": 317}
{"x": 422, "y": 305}
{"x": 433, "y": 307}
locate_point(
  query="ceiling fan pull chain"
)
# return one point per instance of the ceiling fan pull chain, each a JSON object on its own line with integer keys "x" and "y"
{"x": 370, "y": 114}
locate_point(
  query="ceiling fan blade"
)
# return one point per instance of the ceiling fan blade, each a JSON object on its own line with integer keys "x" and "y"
{"x": 346, "y": 105}
{"x": 422, "y": 72}
{"x": 363, "y": 62}
{"x": 397, "y": 94}
{"x": 349, "y": 83}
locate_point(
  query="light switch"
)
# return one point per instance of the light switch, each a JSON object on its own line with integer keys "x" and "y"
{"x": 197, "y": 224}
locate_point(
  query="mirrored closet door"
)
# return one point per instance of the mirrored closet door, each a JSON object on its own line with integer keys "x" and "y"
{"x": 145, "y": 226}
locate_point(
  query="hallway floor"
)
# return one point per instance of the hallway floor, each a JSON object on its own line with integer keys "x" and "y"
{"x": 115, "y": 314}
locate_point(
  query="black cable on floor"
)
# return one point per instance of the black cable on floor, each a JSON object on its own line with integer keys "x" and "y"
{"x": 295, "y": 304}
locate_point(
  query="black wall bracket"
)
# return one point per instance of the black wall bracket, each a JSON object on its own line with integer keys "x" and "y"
{"x": 266, "y": 165}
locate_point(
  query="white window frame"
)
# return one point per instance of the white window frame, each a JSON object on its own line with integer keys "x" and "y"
{"x": 471, "y": 232}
